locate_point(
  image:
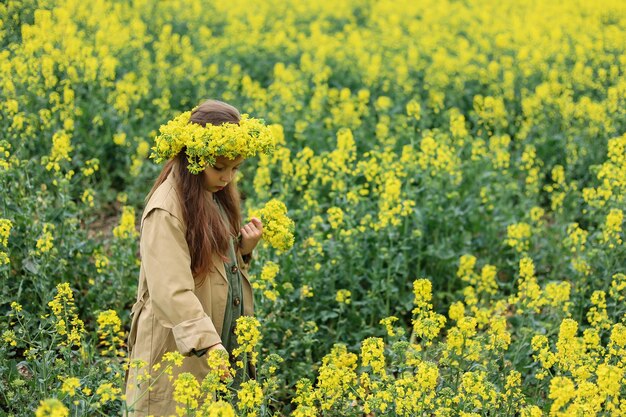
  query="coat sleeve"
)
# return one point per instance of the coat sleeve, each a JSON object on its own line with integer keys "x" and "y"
{"x": 167, "y": 264}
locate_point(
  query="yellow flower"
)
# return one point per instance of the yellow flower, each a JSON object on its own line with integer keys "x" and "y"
{"x": 250, "y": 397}
{"x": 110, "y": 333}
{"x": 558, "y": 295}
{"x": 67, "y": 322}
{"x": 466, "y": 267}
{"x": 91, "y": 166}
{"x": 597, "y": 315}
{"x": 126, "y": 229}
{"x": 248, "y": 337}
{"x": 70, "y": 385}
{"x": 101, "y": 261}
{"x": 612, "y": 228}
{"x": 388, "y": 323}
{"x": 456, "y": 311}
{"x": 87, "y": 197}
{"x": 119, "y": 138}
{"x": 532, "y": 411}
{"x": 529, "y": 295}
{"x": 51, "y": 408}
{"x": 562, "y": 390}
{"x": 61, "y": 148}
{"x": 413, "y": 109}
{"x": 335, "y": 217}
{"x": 45, "y": 243}
{"x": 220, "y": 372}
{"x": 218, "y": 408}
{"x": 108, "y": 392}
{"x": 174, "y": 358}
{"x": 576, "y": 238}
{"x": 8, "y": 336}
{"x": 343, "y": 296}
{"x": 536, "y": 214}
{"x": 186, "y": 392}
{"x": 203, "y": 144}
{"x": 618, "y": 285}
{"x": 337, "y": 376}
{"x": 609, "y": 380}
{"x": 306, "y": 291}
{"x": 268, "y": 284}
{"x": 5, "y": 231}
{"x": 518, "y": 236}
{"x": 372, "y": 354}
{"x": 277, "y": 227}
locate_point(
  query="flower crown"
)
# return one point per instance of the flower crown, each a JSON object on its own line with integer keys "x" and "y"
{"x": 203, "y": 144}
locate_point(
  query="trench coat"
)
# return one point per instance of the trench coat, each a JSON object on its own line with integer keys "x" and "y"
{"x": 173, "y": 312}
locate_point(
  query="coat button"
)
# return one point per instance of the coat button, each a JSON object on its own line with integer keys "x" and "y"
{"x": 234, "y": 269}
{"x": 236, "y": 301}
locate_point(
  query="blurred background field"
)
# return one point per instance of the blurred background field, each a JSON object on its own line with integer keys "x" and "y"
{"x": 456, "y": 169}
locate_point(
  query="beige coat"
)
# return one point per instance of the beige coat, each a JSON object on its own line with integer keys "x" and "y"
{"x": 171, "y": 312}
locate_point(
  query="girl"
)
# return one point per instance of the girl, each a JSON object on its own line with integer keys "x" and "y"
{"x": 193, "y": 282}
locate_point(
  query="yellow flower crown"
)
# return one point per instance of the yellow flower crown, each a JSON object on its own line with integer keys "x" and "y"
{"x": 203, "y": 144}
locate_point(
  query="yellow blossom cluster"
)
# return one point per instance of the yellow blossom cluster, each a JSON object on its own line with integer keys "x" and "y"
{"x": 202, "y": 144}
{"x": 277, "y": 227}
{"x": 248, "y": 336}
{"x": 126, "y": 229}
{"x": 65, "y": 312}
{"x": 5, "y": 231}
{"x": 52, "y": 408}
{"x": 267, "y": 282}
{"x": 110, "y": 334}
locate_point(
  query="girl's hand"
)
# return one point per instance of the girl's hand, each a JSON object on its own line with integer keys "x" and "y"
{"x": 250, "y": 235}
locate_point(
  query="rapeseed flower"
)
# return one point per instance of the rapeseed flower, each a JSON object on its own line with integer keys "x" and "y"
{"x": 248, "y": 337}
{"x": 88, "y": 197}
{"x": 387, "y": 322}
{"x": 126, "y": 229}
{"x": 70, "y": 385}
{"x": 108, "y": 392}
{"x": 8, "y": 337}
{"x": 277, "y": 227}
{"x": 110, "y": 333}
{"x": 51, "y": 408}
{"x": 576, "y": 238}
{"x": 218, "y": 408}
{"x": 250, "y": 397}
{"x": 372, "y": 354}
{"x": 5, "y": 231}
{"x": 203, "y": 144}
{"x": 45, "y": 242}
{"x": 268, "y": 280}
{"x": 518, "y": 236}
{"x": 343, "y": 296}
{"x": 66, "y": 319}
{"x": 60, "y": 152}
{"x": 612, "y": 228}
{"x": 335, "y": 217}
{"x": 5, "y": 146}
{"x": 186, "y": 392}
{"x": 597, "y": 314}
{"x": 101, "y": 261}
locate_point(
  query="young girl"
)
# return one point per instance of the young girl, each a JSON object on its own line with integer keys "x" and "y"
{"x": 193, "y": 282}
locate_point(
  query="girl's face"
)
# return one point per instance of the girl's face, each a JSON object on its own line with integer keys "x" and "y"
{"x": 216, "y": 177}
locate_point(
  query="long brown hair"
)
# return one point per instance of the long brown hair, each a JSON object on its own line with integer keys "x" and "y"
{"x": 206, "y": 233}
